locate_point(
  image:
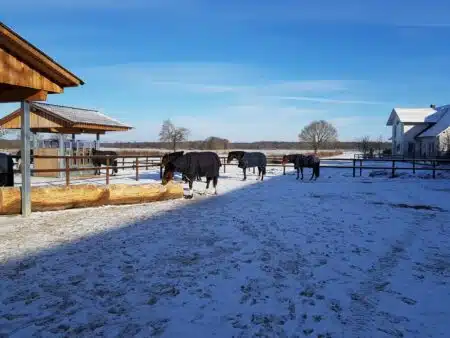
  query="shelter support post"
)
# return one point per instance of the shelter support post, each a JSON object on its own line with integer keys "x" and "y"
{"x": 25, "y": 154}
{"x": 97, "y": 142}
{"x": 61, "y": 153}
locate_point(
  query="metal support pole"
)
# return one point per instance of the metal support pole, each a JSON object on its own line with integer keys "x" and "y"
{"x": 61, "y": 152}
{"x": 25, "y": 154}
{"x": 97, "y": 142}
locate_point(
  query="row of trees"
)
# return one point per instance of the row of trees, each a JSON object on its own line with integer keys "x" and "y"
{"x": 317, "y": 135}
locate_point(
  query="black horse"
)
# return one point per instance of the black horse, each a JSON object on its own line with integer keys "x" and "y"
{"x": 19, "y": 158}
{"x": 192, "y": 165}
{"x": 97, "y": 162}
{"x": 249, "y": 160}
{"x": 301, "y": 161}
{"x": 168, "y": 157}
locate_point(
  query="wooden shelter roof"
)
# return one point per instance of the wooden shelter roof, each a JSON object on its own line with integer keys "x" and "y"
{"x": 27, "y": 73}
{"x": 50, "y": 118}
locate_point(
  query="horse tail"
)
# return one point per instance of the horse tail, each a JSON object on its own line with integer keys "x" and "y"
{"x": 317, "y": 169}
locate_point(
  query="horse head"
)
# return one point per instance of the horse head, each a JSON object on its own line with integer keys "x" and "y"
{"x": 234, "y": 155}
{"x": 168, "y": 173}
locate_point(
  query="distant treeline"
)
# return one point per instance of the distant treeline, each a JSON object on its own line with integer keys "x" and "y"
{"x": 266, "y": 145}
{"x": 215, "y": 144}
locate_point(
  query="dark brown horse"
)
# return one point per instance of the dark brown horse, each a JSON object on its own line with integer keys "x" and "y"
{"x": 97, "y": 162}
{"x": 301, "y": 161}
{"x": 168, "y": 157}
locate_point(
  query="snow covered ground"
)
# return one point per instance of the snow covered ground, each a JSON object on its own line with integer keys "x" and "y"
{"x": 339, "y": 257}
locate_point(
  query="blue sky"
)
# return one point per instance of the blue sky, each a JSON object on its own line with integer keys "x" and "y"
{"x": 240, "y": 69}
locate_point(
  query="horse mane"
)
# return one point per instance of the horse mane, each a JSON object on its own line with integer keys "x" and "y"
{"x": 238, "y": 154}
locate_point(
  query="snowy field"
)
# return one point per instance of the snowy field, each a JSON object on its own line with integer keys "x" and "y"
{"x": 339, "y": 257}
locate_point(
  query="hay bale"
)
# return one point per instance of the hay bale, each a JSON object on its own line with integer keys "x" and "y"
{"x": 86, "y": 195}
{"x": 145, "y": 193}
{"x": 61, "y": 197}
{"x": 10, "y": 200}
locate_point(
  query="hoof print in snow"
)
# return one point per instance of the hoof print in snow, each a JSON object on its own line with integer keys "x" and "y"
{"x": 408, "y": 301}
{"x": 308, "y": 332}
{"x": 317, "y": 318}
{"x": 308, "y": 292}
{"x": 152, "y": 300}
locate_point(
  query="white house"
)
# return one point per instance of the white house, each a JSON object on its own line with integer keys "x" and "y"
{"x": 420, "y": 132}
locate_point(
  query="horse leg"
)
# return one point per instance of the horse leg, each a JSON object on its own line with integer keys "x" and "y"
{"x": 301, "y": 170}
{"x": 245, "y": 173}
{"x": 259, "y": 173}
{"x": 215, "y": 179}
{"x": 191, "y": 190}
{"x": 298, "y": 173}
{"x": 312, "y": 174}
{"x": 208, "y": 180}
{"x": 263, "y": 171}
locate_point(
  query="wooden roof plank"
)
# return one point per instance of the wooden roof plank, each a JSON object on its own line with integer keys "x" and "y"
{"x": 17, "y": 46}
{"x": 16, "y": 73}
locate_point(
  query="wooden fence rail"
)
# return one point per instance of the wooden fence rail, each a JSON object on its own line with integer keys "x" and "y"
{"x": 146, "y": 162}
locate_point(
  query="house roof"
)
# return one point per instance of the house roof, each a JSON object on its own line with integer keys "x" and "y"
{"x": 442, "y": 123}
{"x": 410, "y": 115}
{"x": 64, "y": 119}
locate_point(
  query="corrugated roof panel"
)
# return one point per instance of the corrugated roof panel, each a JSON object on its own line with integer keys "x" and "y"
{"x": 79, "y": 115}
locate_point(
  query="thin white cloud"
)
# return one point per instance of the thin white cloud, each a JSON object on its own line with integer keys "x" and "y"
{"x": 326, "y": 100}
{"x": 242, "y": 81}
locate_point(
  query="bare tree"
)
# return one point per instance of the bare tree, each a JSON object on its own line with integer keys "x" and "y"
{"x": 3, "y": 132}
{"x": 445, "y": 148}
{"x": 318, "y": 133}
{"x": 379, "y": 145}
{"x": 170, "y": 133}
{"x": 364, "y": 145}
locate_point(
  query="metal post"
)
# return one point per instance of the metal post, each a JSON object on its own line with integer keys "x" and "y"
{"x": 25, "y": 154}
{"x": 97, "y": 142}
{"x": 360, "y": 167}
{"x": 61, "y": 152}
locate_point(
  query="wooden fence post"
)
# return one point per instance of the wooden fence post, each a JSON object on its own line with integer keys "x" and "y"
{"x": 107, "y": 171}
{"x": 253, "y": 169}
{"x": 146, "y": 163}
{"x": 434, "y": 169}
{"x": 354, "y": 167}
{"x": 393, "y": 168}
{"x": 123, "y": 163}
{"x": 414, "y": 166}
{"x": 284, "y": 169}
{"x": 360, "y": 167}
{"x": 67, "y": 172}
{"x": 137, "y": 168}
{"x": 224, "y": 167}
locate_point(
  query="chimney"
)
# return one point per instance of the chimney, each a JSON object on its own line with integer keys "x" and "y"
{"x": 433, "y": 106}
